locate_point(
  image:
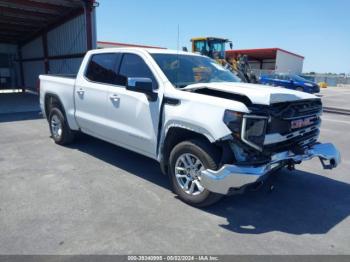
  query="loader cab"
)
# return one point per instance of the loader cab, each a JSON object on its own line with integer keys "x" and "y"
{"x": 212, "y": 47}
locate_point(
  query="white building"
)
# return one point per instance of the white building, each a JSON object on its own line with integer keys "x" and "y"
{"x": 271, "y": 59}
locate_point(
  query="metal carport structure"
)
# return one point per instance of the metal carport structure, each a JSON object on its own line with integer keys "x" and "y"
{"x": 43, "y": 36}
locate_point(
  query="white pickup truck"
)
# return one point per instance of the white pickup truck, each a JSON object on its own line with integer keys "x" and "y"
{"x": 212, "y": 134}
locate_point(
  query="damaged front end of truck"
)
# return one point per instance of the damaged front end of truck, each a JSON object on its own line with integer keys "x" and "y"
{"x": 267, "y": 139}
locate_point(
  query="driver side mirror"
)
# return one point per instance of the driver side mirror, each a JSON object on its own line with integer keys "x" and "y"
{"x": 142, "y": 85}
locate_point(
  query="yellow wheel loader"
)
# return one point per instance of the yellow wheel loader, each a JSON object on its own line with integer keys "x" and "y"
{"x": 215, "y": 48}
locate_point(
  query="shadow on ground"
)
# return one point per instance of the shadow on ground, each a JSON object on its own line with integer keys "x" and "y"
{"x": 19, "y": 106}
{"x": 11, "y": 117}
{"x": 131, "y": 162}
{"x": 301, "y": 203}
{"x": 18, "y": 103}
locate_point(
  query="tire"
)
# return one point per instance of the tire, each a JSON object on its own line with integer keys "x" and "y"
{"x": 60, "y": 131}
{"x": 299, "y": 89}
{"x": 208, "y": 158}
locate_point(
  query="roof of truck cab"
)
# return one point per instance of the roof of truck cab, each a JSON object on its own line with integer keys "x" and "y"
{"x": 169, "y": 51}
{"x": 148, "y": 50}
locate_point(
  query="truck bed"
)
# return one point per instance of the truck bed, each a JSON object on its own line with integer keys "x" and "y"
{"x": 62, "y": 87}
{"x": 62, "y": 75}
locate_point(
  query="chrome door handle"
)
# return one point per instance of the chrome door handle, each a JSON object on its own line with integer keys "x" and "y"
{"x": 114, "y": 98}
{"x": 80, "y": 92}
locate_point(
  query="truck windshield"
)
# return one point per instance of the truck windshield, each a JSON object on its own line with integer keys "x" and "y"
{"x": 183, "y": 70}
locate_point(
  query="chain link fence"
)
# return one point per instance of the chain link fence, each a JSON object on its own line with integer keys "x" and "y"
{"x": 331, "y": 80}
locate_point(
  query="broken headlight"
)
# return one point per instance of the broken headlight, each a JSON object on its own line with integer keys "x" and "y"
{"x": 250, "y": 129}
{"x": 253, "y": 130}
{"x": 233, "y": 121}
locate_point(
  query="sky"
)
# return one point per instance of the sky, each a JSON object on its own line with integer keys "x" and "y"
{"x": 319, "y": 30}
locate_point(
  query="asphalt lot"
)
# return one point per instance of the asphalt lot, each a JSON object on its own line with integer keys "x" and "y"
{"x": 96, "y": 198}
{"x": 336, "y": 97}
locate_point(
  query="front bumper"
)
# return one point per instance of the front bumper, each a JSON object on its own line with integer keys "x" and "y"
{"x": 235, "y": 176}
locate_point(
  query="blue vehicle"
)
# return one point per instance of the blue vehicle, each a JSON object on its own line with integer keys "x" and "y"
{"x": 290, "y": 81}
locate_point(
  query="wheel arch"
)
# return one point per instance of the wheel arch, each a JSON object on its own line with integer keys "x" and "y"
{"x": 174, "y": 136}
{"x": 50, "y": 100}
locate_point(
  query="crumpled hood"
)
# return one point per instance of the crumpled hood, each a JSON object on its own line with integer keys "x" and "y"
{"x": 257, "y": 94}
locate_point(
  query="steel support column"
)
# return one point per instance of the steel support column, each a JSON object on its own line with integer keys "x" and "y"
{"x": 46, "y": 53}
{"x": 88, "y": 9}
{"x": 21, "y": 72}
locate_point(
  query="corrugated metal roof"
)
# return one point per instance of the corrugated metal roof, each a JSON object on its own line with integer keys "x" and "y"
{"x": 33, "y": 49}
{"x": 21, "y": 20}
{"x": 65, "y": 66}
{"x": 73, "y": 33}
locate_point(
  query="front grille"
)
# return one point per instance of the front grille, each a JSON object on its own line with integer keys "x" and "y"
{"x": 284, "y": 126}
{"x": 281, "y": 116}
{"x": 293, "y": 110}
{"x": 289, "y": 110}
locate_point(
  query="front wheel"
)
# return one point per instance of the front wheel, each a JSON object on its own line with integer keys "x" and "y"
{"x": 187, "y": 160}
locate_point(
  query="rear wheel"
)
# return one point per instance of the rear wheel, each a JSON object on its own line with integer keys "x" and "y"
{"x": 60, "y": 131}
{"x": 187, "y": 160}
{"x": 300, "y": 89}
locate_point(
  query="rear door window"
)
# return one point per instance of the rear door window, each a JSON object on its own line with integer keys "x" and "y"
{"x": 103, "y": 68}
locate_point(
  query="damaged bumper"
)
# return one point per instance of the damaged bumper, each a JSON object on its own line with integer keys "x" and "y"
{"x": 234, "y": 176}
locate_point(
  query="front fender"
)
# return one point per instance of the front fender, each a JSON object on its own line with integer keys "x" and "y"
{"x": 189, "y": 126}
{"x": 179, "y": 126}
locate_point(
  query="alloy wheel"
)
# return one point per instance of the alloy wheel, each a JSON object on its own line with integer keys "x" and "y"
{"x": 188, "y": 173}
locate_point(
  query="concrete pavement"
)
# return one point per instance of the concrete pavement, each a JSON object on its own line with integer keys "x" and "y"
{"x": 336, "y": 97}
